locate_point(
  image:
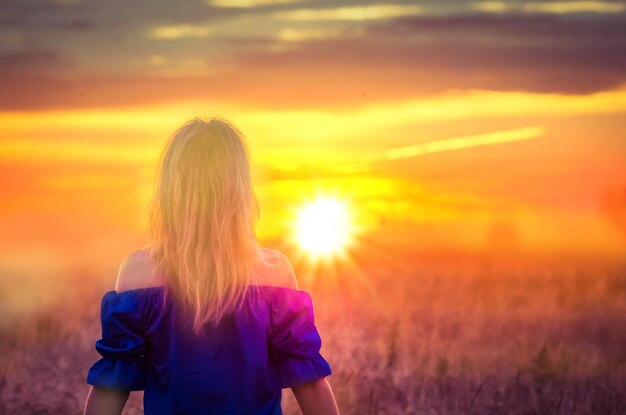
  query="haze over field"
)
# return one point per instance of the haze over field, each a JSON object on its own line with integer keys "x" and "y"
{"x": 469, "y": 126}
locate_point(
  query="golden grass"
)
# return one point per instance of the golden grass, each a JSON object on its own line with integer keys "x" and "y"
{"x": 403, "y": 335}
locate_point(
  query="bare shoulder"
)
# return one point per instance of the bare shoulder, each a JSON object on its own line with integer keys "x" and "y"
{"x": 136, "y": 271}
{"x": 275, "y": 269}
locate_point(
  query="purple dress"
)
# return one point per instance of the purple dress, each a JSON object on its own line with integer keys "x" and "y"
{"x": 238, "y": 367}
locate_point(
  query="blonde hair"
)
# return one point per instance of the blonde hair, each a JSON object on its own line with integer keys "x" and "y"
{"x": 202, "y": 216}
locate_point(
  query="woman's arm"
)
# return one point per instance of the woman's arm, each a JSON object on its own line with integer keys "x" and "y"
{"x": 316, "y": 398}
{"x": 101, "y": 401}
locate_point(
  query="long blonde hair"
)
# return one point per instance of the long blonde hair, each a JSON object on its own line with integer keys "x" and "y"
{"x": 202, "y": 216}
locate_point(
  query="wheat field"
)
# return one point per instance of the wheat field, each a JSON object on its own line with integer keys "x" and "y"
{"x": 424, "y": 335}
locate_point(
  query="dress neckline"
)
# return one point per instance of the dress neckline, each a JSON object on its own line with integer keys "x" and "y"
{"x": 161, "y": 288}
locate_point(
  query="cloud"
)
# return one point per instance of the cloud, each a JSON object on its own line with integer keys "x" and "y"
{"x": 299, "y": 35}
{"x": 319, "y": 66}
{"x": 553, "y": 7}
{"x": 492, "y": 6}
{"x": 358, "y": 13}
{"x": 37, "y": 62}
{"x": 415, "y": 56}
{"x": 555, "y": 30}
{"x": 250, "y": 3}
{"x": 16, "y": 13}
{"x": 170, "y": 32}
{"x": 575, "y": 7}
{"x": 457, "y": 143}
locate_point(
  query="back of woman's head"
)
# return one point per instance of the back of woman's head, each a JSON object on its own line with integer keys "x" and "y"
{"x": 202, "y": 216}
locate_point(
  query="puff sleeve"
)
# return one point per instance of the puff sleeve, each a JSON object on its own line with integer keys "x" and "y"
{"x": 122, "y": 346}
{"x": 294, "y": 341}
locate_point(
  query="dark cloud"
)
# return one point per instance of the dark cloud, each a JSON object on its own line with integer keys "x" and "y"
{"x": 38, "y": 63}
{"x": 430, "y": 55}
{"x": 396, "y": 59}
{"x": 14, "y": 13}
{"x": 521, "y": 26}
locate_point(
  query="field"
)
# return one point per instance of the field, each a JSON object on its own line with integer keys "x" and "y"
{"x": 426, "y": 335}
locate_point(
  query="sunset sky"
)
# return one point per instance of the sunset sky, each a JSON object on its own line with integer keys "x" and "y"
{"x": 445, "y": 124}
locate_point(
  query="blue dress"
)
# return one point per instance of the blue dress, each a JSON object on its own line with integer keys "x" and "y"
{"x": 237, "y": 367}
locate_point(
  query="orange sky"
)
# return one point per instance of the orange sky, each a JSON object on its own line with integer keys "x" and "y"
{"x": 466, "y": 125}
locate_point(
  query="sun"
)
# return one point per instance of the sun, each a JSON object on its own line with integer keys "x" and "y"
{"x": 323, "y": 227}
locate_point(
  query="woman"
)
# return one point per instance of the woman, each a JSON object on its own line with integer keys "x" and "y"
{"x": 204, "y": 320}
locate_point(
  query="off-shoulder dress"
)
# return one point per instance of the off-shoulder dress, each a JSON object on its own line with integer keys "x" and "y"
{"x": 237, "y": 367}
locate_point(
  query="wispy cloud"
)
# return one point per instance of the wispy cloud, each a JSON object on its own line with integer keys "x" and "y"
{"x": 491, "y": 6}
{"x": 458, "y": 143}
{"x": 575, "y": 7}
{"x": 179, "y": 31}
{"x": 298, "y": 35}
{"x": 250, "y": 3}
{"x": 557, "y": 7}
{"x": 357, "y": 13}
